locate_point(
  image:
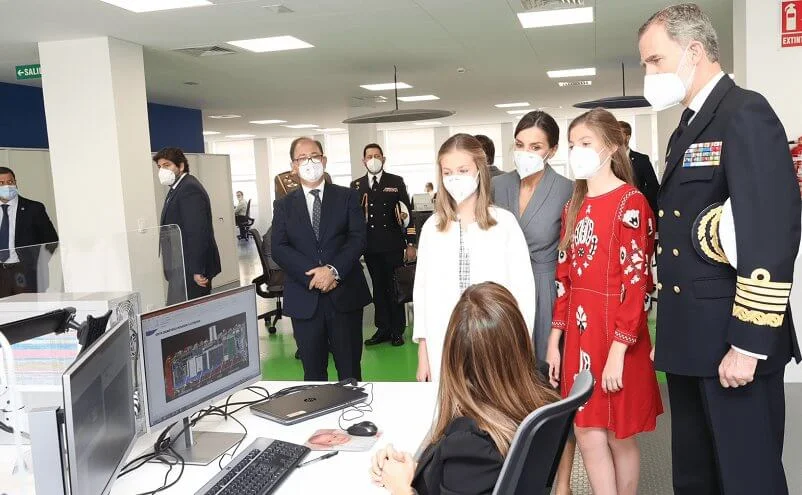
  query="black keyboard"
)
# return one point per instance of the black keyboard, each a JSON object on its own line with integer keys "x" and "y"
{"x": 257, "y": 470}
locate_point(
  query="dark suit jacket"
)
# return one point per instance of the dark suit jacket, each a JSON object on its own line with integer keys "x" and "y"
{"x": 188, "y": 206}
{"x": 464, "y": 461}
{"x": 384, "y": 232}
{"x": 494, "y": 171}
{"x": 33, "y": 227}
{"x": 645, "y": 178}
{"x": 342, "y": 241}
{"x": 702, "y": 311}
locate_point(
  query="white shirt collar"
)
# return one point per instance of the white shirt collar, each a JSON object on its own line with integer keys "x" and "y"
{"x": 378, "y": 177}
{"x": 319, "y": 188}
{"x": 177, "y": 181}
{"x": 701, "y": 97}
{"x": 13, "y": 203}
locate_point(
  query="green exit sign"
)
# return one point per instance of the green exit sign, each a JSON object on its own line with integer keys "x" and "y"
{"x": 29, "y": 72}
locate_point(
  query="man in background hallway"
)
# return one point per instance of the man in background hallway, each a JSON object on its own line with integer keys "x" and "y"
{"x": 490, "y": 152}
{"x": 384, "y": 197}
{"x": 645, "y": 178}
{"x": 24, "y": 222}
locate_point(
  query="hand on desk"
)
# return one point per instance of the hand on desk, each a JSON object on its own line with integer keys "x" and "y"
{"x": 393, "y": 471}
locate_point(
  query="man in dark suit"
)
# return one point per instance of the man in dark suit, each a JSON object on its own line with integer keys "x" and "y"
{"x": 490, "y": 152}
{"x": 724, "y": 335}
{"x": 187, "y": 205}
{"x": 23, "y": 222}
{"x": 382, "y": 194}
{"x": 645, "y": 178}
{"x": 318, "y": 238}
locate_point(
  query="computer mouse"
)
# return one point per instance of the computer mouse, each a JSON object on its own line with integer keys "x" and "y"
{"x": 363, "y": 429}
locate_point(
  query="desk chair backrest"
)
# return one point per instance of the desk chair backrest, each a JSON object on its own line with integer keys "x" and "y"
{"x": 248, "y": 210}
{"x": 536, "y": 449}
{"x": 272, "y": 272}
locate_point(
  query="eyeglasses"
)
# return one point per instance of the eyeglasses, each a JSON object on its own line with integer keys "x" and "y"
{"x": 303, "y": 160}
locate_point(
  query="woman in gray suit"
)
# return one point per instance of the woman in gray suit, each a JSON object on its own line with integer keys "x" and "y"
{"x": 536, "y": 195}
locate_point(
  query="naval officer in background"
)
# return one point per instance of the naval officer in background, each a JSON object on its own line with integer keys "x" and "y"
{"x": 385, "y": 203}
{"x": 724, "y": 335}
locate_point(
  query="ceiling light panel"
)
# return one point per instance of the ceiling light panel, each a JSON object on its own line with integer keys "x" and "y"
{"x": 225, "y": 116}
{"x": 558, "y": 17}
{"x": 428, "y": 123}
{"x": 268, "y": 122}
{"x": 513, "y": 105}
{"x": 302, "y": 126}
{"x": 558, "y": 74}
{"x": 272, "y": 44}
{"x": 332, "y": 129}
{"x": 210, "y": 133}
{"x": 385, "y": 86}
{"x": 418, "y": 98}
{"x": 140, "y": 6}
{"x": 240, "y": 136}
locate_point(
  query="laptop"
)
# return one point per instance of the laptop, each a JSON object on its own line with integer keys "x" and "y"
{"x": 309, "y": 403}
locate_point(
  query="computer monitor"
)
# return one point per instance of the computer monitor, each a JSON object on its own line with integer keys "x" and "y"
{"x": 99, "y": 417}
{"x": 194, "y": 354}
{"x": 422, "y": 202}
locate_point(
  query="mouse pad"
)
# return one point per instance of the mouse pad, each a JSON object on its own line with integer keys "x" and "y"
{"x": 341, "y": 440}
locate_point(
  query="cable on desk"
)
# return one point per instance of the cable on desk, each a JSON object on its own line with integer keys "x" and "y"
{"x": 357, "y": 411}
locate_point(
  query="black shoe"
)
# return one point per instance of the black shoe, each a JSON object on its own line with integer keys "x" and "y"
{"x": 297, "y": 354}
{"x": 397, "y": 341}
{"x": 377, "y": 338}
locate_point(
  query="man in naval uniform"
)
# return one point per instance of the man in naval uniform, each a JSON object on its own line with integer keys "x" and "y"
{"x": 724, "y": 335}
{"x": 386, "y": 205}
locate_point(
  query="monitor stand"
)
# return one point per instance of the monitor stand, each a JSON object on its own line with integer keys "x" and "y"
{"x": 200, "y": 448}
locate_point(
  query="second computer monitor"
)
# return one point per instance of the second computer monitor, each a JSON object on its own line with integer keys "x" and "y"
{"x": 199, "y": 351}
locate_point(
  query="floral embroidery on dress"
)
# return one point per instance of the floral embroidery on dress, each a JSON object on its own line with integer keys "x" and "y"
{"x": 632, "y": 218}
{"x": 581, "y": 319}
{"x": 560, "y": 288}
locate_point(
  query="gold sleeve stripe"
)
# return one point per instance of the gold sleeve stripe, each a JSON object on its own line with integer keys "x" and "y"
{"x": 763, "y": 307}
{"x": 759, "y": 318}
{"x": 782, "y": 301}
{"x": 765, "y": 292}
{"x": 762, "y": 278}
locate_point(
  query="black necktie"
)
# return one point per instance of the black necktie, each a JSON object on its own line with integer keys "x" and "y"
{"x": 375, "y": 183}
{"x": 316, "y": 212}
{"x": 4, "y": 228}
{"x": 684, "y": 121}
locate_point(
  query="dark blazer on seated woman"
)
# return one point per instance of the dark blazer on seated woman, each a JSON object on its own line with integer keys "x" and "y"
{"x": 465, "y": 462}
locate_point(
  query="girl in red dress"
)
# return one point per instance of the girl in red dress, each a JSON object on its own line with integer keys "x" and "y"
{"x": 603, "y": 285}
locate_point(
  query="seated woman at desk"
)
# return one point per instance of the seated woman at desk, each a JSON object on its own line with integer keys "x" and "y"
{"x": 489, "y": 384}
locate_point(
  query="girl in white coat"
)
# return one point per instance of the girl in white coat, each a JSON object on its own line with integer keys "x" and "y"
{"x": 466, "y": 241}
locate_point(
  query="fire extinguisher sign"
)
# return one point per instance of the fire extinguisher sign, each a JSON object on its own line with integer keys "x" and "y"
{"x": 791, "y": 22}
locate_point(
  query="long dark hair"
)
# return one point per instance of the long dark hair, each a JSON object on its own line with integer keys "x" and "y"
{"x": 605, "y": 125}
{"x": 542, "y": 121}
{"x": 488, "y": 367}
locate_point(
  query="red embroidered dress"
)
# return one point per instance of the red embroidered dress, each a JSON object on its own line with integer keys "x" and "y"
{"x": 603, "y": 286}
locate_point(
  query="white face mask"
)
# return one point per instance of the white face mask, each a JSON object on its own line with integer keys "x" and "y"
{"x": 528, "y": 163}
{"x": 311, "y": 171}
{"x": 460, "y": 187}
{"x": 166, "y": 177}
{"x": 666, "y": 90}
{"x": 584, "y": 162}
{"x": 374, "y": 165}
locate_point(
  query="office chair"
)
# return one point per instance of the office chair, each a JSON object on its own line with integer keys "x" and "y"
{"x": 270, "y": 284}
{"x": 244, "y": 222}
{"x": 535, "y": 452}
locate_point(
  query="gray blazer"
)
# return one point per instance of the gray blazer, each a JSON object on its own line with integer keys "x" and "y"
{"x": 541, "y": 227}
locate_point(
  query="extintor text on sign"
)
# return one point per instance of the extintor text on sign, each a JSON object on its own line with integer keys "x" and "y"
{"x": 791, "y": 32}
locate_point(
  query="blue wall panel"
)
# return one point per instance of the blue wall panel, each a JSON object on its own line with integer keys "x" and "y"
{"x": 23, "y": 125}
{"x": 22, "y": 117}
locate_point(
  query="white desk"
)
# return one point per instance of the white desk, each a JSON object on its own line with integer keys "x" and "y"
{"x": 402, "y": 411}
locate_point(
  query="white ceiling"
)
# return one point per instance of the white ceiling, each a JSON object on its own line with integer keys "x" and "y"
{"x": 356, "y": 42}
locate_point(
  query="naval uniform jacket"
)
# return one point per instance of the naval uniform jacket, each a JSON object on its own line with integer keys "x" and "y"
{"x": 381, "y": 213}
{"x": 735, "y": 147}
